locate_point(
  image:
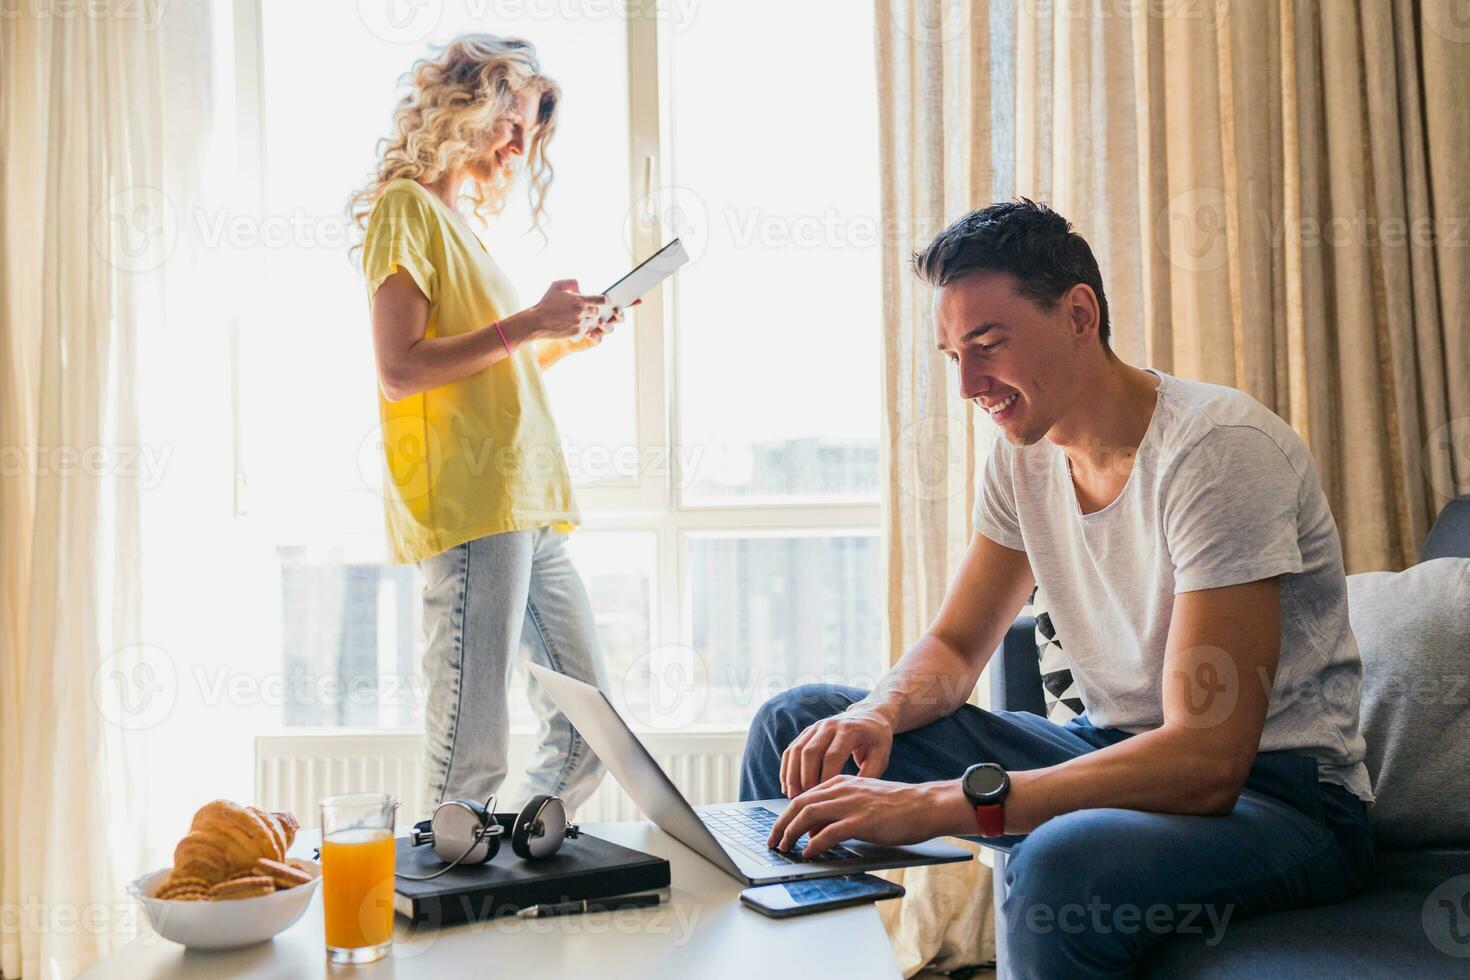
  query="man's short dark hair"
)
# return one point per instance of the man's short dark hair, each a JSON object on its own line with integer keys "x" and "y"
{"x": 1030, "y": 241}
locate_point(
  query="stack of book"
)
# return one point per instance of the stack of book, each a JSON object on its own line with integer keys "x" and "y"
{"x": 586, "y": 868}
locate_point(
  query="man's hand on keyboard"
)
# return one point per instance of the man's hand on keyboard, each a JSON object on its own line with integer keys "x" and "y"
{"x": 873, "y": 810}
{"x": 860, "y": 733}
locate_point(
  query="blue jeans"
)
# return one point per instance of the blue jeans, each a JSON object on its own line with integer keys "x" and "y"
{"x": 482, "y": 600}
{"x": 1091, "y": 891}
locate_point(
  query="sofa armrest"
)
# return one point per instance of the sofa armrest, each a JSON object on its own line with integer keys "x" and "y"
{"x": 1015, "y": 673}
{"x": 1450, "y": 535}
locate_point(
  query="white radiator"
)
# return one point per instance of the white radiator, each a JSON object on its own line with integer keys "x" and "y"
{"x": 295, "y": 769}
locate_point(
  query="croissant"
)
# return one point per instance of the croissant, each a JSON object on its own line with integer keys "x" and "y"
{"x": 283, "y": 827}
{"x": 226, "y": 839}
{"x": 198, "y": 856}
{"x": 242, "y": 835}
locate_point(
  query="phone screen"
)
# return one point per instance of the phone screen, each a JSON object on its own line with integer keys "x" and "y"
{"x": 818, "y": 893}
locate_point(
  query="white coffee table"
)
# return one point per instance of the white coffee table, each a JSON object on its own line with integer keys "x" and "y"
{"x": 701, "y": 931}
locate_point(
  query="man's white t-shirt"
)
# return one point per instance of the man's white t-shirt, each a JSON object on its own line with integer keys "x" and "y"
{"x": 1221, "y": 492}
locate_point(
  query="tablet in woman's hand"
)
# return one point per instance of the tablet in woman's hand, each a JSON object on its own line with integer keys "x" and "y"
{"x": 647, "y": 274}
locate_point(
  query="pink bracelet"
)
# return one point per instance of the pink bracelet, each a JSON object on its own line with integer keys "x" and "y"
{"x": 501, "y": 330}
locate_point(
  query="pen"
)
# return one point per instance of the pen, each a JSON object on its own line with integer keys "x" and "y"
{"x": 589, "y": 905}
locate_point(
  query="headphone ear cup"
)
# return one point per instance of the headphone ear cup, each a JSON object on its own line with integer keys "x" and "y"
{"x": 455, "y": 825}
{"x": 539, "y": 828}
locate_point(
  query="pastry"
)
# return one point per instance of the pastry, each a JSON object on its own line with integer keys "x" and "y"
{"x": 242, "y": 888}
{"x": 241, "y": 834}
{"x": 284, "y": 875}
{"x": 224, "y": 843}
{"x": 200, "y": 855}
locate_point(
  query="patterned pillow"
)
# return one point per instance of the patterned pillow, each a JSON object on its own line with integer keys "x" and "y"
{"x": 1063, "y": 702}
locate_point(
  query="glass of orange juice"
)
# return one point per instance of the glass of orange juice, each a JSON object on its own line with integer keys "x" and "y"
{"x": 357, "y": 875}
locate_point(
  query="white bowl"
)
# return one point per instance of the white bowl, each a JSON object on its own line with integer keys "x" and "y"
{"x": 224, "y": 924}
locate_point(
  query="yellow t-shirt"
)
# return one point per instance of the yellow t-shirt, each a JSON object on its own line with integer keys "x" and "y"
{"x": 481, "y": 455}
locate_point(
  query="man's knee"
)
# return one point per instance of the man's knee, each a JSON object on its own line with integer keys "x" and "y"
{"x": 1062, "y": 894}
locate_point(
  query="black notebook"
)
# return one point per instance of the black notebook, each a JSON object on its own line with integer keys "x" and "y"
{"x": 586, "y": 867}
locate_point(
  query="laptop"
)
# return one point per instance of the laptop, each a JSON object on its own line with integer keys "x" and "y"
{"x": 732, "y": 836}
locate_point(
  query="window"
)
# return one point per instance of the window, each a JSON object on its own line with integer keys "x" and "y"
{"x": 777, "y": 320}
{"x": 724, "y": 441}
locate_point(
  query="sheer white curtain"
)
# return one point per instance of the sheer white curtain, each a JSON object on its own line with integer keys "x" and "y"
{"x": 85, "y": 225}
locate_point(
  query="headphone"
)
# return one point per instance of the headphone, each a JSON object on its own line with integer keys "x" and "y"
{"x": 468, "y": 832}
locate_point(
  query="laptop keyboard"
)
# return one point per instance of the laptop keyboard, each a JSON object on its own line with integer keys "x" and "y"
{"x": 750, "y": 827}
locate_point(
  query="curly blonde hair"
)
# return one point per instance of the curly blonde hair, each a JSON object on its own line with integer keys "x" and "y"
{"x": 454, "y": 98}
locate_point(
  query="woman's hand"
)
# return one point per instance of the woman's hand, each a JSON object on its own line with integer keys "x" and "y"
{"x": 548, "y": 352}
{"x": 604, "y": 327}
{"x": 564, "y": 313}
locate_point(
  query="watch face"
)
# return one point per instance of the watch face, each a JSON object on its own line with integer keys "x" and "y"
{"x": 984, "y": 782}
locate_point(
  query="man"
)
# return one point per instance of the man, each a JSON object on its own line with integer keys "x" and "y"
{"x": 1195, "y": 577}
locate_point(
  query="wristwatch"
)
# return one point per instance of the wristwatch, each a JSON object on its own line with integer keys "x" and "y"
{"x": 985, "y": 785}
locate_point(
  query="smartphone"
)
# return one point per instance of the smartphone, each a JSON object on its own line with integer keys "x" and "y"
{"x": 818, "y": 894}
{"x": 647, "y": 274}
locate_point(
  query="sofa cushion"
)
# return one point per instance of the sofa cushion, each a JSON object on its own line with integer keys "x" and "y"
{"x": 1409, "y": 923}
{"x": 1063, "y": 700}
{"x": 1413, "y": 633}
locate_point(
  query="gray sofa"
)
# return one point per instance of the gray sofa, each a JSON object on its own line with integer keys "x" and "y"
{"x": 1413, "y": 631}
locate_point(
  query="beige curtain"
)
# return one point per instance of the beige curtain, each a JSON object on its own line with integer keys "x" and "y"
{"x": 939, "y": 65}
{"x": 1278, "y": 195}
{"x": 84, "y": 226}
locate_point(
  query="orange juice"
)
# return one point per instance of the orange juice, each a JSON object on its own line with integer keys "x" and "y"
{"x": 357, "y": 887}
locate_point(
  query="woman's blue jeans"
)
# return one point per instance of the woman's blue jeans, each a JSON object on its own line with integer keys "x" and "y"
{"x": 1091, "y": 891}
{"x": 483, "y": 600}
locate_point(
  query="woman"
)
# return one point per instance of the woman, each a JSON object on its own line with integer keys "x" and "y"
{"x": 478, "y": 491}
